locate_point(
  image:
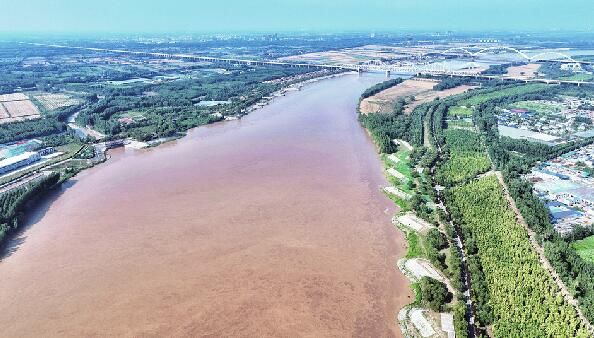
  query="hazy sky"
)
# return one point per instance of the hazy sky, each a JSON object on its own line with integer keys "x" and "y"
{"x": 293, "y": 15}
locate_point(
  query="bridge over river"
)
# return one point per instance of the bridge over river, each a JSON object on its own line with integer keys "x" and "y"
{"x": 467, "y": 70}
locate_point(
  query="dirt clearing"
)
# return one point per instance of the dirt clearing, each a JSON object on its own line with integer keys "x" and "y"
{"x": 528, "y": 71}
{"x": 431, "y": 95}
{"x": 416, "y": 91}
{"x": 17, "y": 107}
{"x": 13, "y": 97}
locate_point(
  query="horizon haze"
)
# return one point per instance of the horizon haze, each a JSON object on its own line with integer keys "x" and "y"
{"x": 184, "y": 16}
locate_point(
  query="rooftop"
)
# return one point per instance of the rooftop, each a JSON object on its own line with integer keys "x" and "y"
{"x": 15, "y": 159}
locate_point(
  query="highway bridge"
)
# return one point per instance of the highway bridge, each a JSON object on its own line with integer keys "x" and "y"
{"x": 516, "y": 79}
{"x": 470, "y": 69}
{"x": 546, "y": 56}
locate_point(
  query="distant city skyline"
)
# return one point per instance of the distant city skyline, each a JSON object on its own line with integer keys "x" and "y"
{"x": 136, "y": 16}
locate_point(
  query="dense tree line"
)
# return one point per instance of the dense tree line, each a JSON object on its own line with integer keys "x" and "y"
{"x": 553, "y": 70}
{"x": 437, "y": 123}
{"x": 172, "y": 107}
{"x": 385, "y": 127}
{"x": 436, "y": 241}
{"x": 14, "y": 202}
{"x": 574, "y": 271}
{"x": 450, "y": 82}
{"x": 454, "y": 259}
{"x": 454, "y": 274}
{"x": 497, "y": 69}
{"x": 380, "y": 87}
{"x": 416, "y": 126}
{"x": 11, "y": 132}
{"x": 434, "y": 294}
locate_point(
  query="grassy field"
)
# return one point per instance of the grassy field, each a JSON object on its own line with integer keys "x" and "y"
{"x": 404, "y": 168}
{"x": 585, "y": 248}
{"x": 460, "y": 111}
{"x": 511, "y": 91}
{"x": 415, "y": 245}
{"x": 537, "y": 107}
{"x": 460, "y": 124}
{"x": 579, "y": 77}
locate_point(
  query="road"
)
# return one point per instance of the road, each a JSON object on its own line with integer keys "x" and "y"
{"x": 470, "y": 309}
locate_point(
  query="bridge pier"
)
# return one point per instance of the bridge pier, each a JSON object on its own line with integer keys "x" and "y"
{"x": 387, "y": 73}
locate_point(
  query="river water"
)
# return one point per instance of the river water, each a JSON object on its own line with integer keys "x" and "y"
{"x": 273, "y": 225}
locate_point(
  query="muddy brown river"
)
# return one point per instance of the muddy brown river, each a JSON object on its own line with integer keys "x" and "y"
{"x": 273, "y": 225}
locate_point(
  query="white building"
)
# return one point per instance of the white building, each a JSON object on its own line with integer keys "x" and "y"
{"x": 18, "y": 161}
{"x": 574, "y": 67}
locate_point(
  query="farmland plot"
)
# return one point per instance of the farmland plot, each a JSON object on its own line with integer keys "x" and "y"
{"x": 21, "y": 108}
{"x": 56, "y": 101}
{"x": 13, "y": 97}
{"x": 3, "y": 112}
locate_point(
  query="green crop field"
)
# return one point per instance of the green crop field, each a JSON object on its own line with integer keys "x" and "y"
{"x": 585, "y": 248}
{"x": 468, "y": 157}
{"x": 497, "y": 94}
{"x": 522, "y": 297}
{"x": 403, "y": 167}
{"x": 579, "y": 77}
{"x": 465, "y": 124}
{"x": 463, "y": 166}
{"x": 537, "y": 107}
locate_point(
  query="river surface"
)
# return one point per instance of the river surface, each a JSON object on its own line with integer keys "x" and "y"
{"x": 273, "y": 225}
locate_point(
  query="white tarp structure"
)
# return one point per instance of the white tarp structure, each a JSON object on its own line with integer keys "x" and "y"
{"x": 396, "y": 173}
{"x": 413, "y": 222}
{"x": 398, "y": 193}
{"x": 447, "y": 324}
{"x": 420, "y": 268}
{"x": 393, "y": 158}
{"x": 421, "y": 323}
